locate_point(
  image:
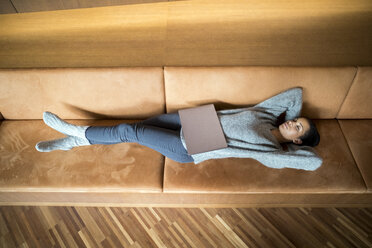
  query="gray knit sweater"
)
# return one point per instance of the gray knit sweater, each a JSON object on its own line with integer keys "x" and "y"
{"x": 248, "y": 134}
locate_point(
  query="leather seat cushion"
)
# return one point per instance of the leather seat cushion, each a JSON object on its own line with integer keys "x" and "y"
{"x": 338, "y": 172}
{"x": 98, "y": 168}
{"x": 358, "y": 134}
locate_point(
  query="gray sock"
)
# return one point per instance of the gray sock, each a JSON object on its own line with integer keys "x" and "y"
{"x": 60, "y": 125}
{"x": 65, "y": 144}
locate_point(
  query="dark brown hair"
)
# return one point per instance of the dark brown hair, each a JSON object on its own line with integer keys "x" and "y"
{"x": 311, "y": 137}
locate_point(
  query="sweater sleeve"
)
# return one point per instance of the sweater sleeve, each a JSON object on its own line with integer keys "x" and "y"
{"x": 298, "y": 157}
{"x": 289, "y": 101}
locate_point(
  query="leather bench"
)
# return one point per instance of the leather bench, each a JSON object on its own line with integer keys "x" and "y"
{"x": 338, "y": 98}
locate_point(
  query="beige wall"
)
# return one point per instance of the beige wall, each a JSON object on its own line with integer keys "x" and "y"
{"x": 192, "y": 33}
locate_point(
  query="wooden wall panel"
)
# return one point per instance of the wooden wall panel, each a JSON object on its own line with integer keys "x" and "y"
{"x": 96, "y": 37}
{"x": 192, "y": 33}
{"x": 312, "y": 32}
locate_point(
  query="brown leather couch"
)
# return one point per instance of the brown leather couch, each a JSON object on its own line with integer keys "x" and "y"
{"x": 127, "y": 174}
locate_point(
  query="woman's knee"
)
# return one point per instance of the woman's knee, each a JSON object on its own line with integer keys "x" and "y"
{"x": 126, "y": 132}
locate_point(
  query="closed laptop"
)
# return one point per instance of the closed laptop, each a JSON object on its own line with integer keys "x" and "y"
{"x": 202, "y": 129}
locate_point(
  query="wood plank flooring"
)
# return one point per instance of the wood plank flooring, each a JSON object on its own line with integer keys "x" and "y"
{"x": 24, "y": 226}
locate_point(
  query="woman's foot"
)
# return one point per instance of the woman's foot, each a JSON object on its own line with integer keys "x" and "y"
{"x": 60, "y": 125}
{"x": 65, "y": 144}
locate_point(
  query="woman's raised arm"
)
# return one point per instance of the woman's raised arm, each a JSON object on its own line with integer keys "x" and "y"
{"x": 289, "y": 101}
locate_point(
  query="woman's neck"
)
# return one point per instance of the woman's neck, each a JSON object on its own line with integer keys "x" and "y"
{"x": 278, "y": 136}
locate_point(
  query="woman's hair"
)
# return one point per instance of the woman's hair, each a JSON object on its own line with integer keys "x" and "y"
{"x": 311, "y": 137}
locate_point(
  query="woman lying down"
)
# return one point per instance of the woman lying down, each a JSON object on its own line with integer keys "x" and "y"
{"x": 250, "y": 132}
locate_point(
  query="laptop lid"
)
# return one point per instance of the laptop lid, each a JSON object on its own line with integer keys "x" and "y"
{"x": 202, "y": 129}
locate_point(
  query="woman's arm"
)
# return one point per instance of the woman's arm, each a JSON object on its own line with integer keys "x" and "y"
{"x": 303, "y": 158}
{"x": 298, "y": 157}
{"x": 289, "y": 101}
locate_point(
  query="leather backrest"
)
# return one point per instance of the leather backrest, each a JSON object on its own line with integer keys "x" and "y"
{"x": 358, "y": 102}
{"x": 73, "y": 93}
{"x": 325, "y": 88}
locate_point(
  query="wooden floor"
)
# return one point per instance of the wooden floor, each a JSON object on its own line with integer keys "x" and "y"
{"x": 184, "y": 227}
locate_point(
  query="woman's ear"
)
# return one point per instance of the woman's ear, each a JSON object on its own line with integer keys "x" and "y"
{"x": 297, "y": 141}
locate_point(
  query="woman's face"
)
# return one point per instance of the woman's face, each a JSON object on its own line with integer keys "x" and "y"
{"x": 292, "y": 130}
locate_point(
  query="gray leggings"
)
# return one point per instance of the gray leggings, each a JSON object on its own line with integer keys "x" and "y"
{"x": 161, "y": 133}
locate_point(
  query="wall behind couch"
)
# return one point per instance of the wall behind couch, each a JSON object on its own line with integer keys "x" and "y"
{"x": 192, "y": 33}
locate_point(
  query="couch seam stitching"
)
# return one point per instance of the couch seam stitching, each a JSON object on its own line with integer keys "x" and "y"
{"x": 14, "y": 6}
{"x": 348, "y": 92}
{"x": 165, "y": 111}
{"x": 165, "y": 96}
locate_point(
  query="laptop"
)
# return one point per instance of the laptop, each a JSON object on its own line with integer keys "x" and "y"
{"x": 202, "y": 129}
